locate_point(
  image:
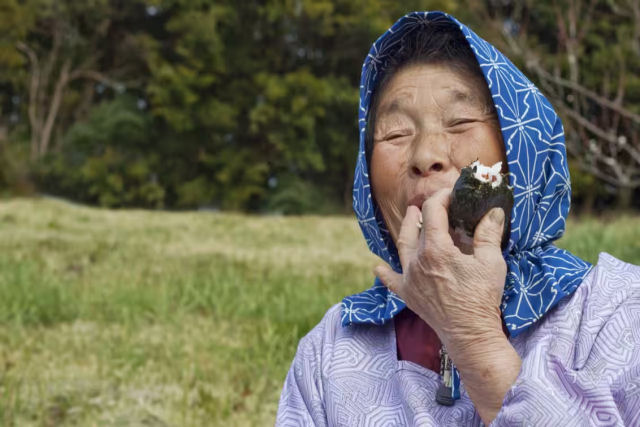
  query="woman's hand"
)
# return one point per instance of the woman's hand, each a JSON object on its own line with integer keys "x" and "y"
{"x": 459, "y": 296}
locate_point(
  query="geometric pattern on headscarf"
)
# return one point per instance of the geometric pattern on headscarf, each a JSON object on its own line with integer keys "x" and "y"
{"x": 539, "y": 274}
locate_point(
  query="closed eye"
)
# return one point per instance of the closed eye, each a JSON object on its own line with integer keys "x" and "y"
{"x": 461, "y": 125}
{"x": 396, "y": 135}
{"x": 459, "y": 122}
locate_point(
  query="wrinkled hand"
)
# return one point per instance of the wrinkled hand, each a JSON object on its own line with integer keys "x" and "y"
{"x": 457, "y": 294}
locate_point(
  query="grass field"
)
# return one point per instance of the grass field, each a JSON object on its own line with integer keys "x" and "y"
{"x": 155, "y": 318}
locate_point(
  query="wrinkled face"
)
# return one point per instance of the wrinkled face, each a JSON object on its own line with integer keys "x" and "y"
{"x": 431, "y": 122}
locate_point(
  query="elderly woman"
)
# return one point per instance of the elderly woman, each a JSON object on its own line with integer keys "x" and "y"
{"x": 536, "y": 335}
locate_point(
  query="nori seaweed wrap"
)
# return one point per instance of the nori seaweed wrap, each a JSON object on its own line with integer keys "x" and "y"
{"x": 479, "y": 189}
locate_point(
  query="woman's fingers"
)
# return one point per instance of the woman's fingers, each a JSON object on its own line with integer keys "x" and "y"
{"x": 409, "y": 235}
{"x": 389, "y": 278}
{"x": 487, "y": 237}
{"x": 436, "y": 218}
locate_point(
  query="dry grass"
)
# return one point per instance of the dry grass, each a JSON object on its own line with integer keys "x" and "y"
{"x": 156, "y": 318}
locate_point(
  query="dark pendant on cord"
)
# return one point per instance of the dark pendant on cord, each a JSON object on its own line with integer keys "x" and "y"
{"x": 444, "y": 394}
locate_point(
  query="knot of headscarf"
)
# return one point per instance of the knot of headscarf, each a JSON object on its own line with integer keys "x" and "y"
{"x": 539, "y": 274}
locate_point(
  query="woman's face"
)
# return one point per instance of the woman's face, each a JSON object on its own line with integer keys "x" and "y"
{"x": 431, "y": 122}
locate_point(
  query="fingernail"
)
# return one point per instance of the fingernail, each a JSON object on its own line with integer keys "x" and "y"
{"x": 497, "y": 215}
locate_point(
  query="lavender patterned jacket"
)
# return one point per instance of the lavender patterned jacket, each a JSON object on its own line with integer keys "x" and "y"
{"x": 580, "y": 366}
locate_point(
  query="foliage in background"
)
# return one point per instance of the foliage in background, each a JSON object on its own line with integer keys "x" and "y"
{"x": 244, "y": 104}
{"x": 112, "y": 157}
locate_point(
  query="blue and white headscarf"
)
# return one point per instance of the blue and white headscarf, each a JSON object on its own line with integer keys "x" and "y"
{"x": 539, "y": 274}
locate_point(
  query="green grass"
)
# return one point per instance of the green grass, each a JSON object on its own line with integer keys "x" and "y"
{"x": 156, "y": 318}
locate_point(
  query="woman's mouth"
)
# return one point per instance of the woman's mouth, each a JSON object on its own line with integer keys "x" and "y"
{"x": 418, "y": 200}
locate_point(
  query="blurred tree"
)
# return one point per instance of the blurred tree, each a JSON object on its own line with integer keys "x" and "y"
{"x": 63, "y": 42}
{"x": 586, "y": 189}
{"x": 108, "y": 159}
{"x": 198, "y": 99}
{"x": 247, "y": 104}
{"x": 261, "y": 92}
{"x": 585, "y": 55}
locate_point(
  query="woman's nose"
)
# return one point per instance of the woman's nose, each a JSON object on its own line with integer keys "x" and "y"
{"x": 429, "y": 156}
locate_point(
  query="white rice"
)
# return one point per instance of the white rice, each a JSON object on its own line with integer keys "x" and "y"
{"x": 488, "y": 173}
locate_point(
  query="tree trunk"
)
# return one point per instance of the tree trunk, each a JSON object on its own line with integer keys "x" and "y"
{"x": 34, "y": 87}
{"x": 58, "y": 93}
{"x": 625, "y": 195}
{"x": 587, "y": 203}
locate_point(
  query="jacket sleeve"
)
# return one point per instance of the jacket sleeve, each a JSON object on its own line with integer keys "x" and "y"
{"x": 599, "y": 386}
{"x": 572, "y": 399}
{"x": 302, "y": 398}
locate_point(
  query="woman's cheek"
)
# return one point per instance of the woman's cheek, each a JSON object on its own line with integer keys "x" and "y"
{"x": 481, "y": 144}
{"x": 388, "y": 169}
{"x": 465, "y": 149}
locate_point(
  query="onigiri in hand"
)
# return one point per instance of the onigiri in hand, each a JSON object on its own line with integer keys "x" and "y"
{"x": 479, "y": 189}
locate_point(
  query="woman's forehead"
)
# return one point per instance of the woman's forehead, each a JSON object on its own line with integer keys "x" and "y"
{"x": 448, "y": 82}
{"x": 441, "y": 84}
{"x": 398, "y": 101}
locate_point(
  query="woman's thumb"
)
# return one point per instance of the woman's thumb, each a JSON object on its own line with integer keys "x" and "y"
{"x": 388, "y": 277}
{"x": 489, "y": 230}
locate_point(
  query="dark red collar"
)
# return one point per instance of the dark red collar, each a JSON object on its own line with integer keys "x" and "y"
{"x": 416, "y": 341}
